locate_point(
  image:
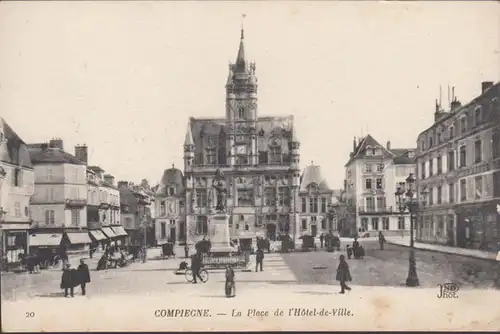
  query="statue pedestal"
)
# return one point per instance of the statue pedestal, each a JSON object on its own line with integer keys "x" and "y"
{"x": 219, "y": 222}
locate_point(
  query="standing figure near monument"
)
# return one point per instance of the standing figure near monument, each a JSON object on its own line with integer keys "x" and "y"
{"x": 219, "y": 183}
{"x": 259, "y": 257}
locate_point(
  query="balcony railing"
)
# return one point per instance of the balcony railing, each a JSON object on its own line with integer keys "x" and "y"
{"x": 104, "y": 206}
{"x": 386, "y": 209}
{"x": 76, "y": 202}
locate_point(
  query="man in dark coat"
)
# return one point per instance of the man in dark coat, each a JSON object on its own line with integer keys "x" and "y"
{"x": 321, "y": 239}
{"x": 69, "y": 280}
{"x": 381, "y": 240}
{"x": 230, "y": 288}
{"x": 343, "y": 274}
{"x": 186, "y": 251}
{"x": 83, "y": 275}
{"x": 259, "y": 259}
{"x": 196, "y": 264}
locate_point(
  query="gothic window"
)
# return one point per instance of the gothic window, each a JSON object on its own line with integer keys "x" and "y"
{"x": 241, "y": 112}
{"x": 263, "y": 157}
{"x": 284, "y": 196}
{"x": 201, "y": 225}
{"x": 275, "y": 156}
{"x": 201, "y": 197}
{"x": 304, "y": 204}
{"x": 210, "y": 156}
{"x": 323, "y": 204}
{"x": 269, "y": 196}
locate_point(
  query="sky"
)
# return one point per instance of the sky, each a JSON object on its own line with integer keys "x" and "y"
{"x": 124, "y": 77}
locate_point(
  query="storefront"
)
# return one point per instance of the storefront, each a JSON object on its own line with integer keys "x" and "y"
{"x": 98, "y": 239}
{"x": 76, "y": 242}
{"x": 121, "y": 235}
{"x": 478, "y": 226}
{"x": 14, "y": 244}
{"x": 44, "y": 241}
{"x": 108, "y": 232}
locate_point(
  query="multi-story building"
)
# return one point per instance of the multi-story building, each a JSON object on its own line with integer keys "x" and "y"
{"x": 315, "y": 197}
{"x": 59, "y": 204}
{"x": 259, "y": 157}
{"x": 458, "y": 162}
{"x": 373, "y": 175}
{"x": 135, "y": 214}
{"x": 103, "y": 203}
{"x": 16, "y": 188}
{"x": 170, "y": 196}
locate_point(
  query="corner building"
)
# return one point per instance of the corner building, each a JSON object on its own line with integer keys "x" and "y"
{"x": 259, "y": 157}
{"x": 458, "y": 163}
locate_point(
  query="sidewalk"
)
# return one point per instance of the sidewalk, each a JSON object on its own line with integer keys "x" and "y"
{"x": 443, "y": 249}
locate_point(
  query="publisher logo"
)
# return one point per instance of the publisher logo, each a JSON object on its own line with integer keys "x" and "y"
{"x": 448, "y": 290}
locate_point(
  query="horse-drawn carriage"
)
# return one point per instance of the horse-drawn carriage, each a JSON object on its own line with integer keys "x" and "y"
{"x": 167, "y": 250}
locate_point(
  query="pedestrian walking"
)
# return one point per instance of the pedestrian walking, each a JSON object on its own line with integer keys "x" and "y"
{"x": 230, "y": 287}
{"x": 343, "y": 274}
{"x": 186, "y": 251}
{"x": 259, "y": 259}
{"x": 196, "y": 266}
{"x": 69, "y": 280}
{"x": 321, "y": 239}
{"x": 381, "y": 240}
{"x": 83, "y": 275}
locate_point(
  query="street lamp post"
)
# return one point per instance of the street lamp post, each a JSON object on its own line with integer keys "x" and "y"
{"x": 332, "y": 214}
{"x": 145, "y": 224}
{"x": 413, "y": 207}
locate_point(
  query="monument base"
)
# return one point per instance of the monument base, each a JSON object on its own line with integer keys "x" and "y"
{"x": 219, "y": 222}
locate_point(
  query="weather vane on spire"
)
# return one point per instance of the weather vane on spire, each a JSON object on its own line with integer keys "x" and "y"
{"x": 242, "y": 18}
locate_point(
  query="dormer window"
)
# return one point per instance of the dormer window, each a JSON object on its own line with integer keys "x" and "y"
{"x": 451, "y": 131}
{"x": 431, "y": 141}
{"x": 463, "y": 124}
{"x": 171, "y": 191}
{"x": 411, "y": 154}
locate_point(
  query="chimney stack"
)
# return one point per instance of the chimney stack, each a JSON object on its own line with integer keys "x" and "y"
{"x": 56, "y": 143}
{"x": 485, "y": 85}
{"x": 81, "y": 153}
{"x": 388, "y": 145}
{"x": 122, "y": 184}
{"x": 109, "y": 179}
{"x": 354, "y": 145}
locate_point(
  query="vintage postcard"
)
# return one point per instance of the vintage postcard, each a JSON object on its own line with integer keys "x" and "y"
{"x": 249, "y": 166}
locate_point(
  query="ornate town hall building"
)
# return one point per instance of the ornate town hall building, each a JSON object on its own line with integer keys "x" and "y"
{"x": 259, "y": 157}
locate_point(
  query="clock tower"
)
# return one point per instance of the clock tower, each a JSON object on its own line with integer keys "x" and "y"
{"x": 241, "y": 110}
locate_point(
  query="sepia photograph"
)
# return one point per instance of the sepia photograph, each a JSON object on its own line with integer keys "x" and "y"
{"x": 249, "y": 166}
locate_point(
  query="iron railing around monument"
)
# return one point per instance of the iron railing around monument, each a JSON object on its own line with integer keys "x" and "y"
{"x": 236, "y": 260}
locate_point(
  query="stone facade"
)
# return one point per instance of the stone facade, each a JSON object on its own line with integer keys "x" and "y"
{"x": 459, "y": 166}
{"x": 259, "y": 157}
{"x": 170, "y": 223}
{"x": 373, "y": 175}
{"x": 16, "y": 188}
{"x": 315, "y": 198}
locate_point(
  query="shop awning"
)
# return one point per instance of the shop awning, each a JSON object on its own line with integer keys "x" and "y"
{"x": 109, "y": 232}
{"x": 45, "y": 239}
{"x": 97, "y": 235}
{"x": 119, "y": 231}
{"x": 77, "y": 238}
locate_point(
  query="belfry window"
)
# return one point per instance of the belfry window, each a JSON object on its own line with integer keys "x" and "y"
{"x": 241, "y": 112}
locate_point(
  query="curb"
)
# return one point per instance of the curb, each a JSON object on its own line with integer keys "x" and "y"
{"x": 451, "y": 253}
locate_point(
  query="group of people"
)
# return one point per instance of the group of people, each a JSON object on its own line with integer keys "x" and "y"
{"x": 110, "y": 257}
{"x": 357, "y": 250}
{"x": 71, "y": 278}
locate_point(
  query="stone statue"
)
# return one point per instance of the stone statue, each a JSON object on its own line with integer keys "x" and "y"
{"x": 219, "y": 183}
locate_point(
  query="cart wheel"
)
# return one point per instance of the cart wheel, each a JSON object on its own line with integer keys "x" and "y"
{"x": 189, "y": 275}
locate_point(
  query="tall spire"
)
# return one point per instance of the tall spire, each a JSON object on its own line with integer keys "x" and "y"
{"x": 240, "y": 59}
{"x": 188, "y": 141}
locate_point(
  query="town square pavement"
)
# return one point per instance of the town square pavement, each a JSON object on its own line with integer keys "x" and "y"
{"x": 127, "y": 298}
